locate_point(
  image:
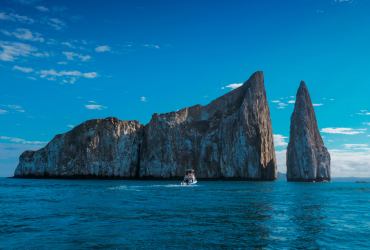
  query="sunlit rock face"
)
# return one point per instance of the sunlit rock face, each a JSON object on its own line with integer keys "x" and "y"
{"x": 308, "y": 159}
{"x": 231, "y": 139}
{"x": 100, "y": 147}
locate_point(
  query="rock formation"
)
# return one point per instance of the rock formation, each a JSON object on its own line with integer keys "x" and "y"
{"x": 231, "y": 138}
{"x": 308, "y": 159}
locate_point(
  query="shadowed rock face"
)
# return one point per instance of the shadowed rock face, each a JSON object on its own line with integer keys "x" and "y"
{"x": 307, "y": 158}
{"x": 231, "y": 138}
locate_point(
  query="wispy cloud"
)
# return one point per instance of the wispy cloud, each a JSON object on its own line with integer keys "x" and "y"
{"x": 68, "y": 44}
{"x": 234, "y": 85}
{"x": 282, "y": 105}
{"x": 71, "y": 126}
{"x": 355, "y": 145}
{"x": 345, "y": 131}
{"x": 13, "y": 139}
{"x": 45, "y": 54}
{"x": 143, "y": 99}
{"x": 42, "y": 8}
{"x": 11, "y": 50}
{"x": 102, "y": 48}
{"x": 90, "y": 75}
{"x": 27, "y": 70}
{"x": 94, "y": 106}
{"x": 279, "y": 140}
{"x": 16, "y": 18}
{"x": 72, "y": 55}
{"x": 25, "y": 34}
{"x": 56, "y": 23}
{"x": 151, "y": 46}
{"x": 2, "y": 112}
{"x": 62, "y": 62}
{"x": 71, "y": 75}
{"x": 276, "y": 101}
{"x": 293, "y": 101}
{"x": 317, "y": 104}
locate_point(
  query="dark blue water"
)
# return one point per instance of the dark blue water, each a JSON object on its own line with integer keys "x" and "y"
{"x": 74, "y": 214}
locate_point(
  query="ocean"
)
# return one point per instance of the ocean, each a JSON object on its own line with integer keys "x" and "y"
{"x": 95, "y": 214}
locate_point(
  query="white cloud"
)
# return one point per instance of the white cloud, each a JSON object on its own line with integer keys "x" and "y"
{"x": 45, "y": 54}
{"x": 345, "y": 131}
{"x": 282, "y": 105}
{"x": 363, "y": 110}
{"x": 223, "y": 88}
{"x": 21, "y": 110}
{"x": 319, "y": 104}
{"x": 355, "y": 145}
{"x": 275, "y": 101}
{"x": 102, "y": 48}
{"x": 13, "y": 139}
{"x": 61, "y": 73}
{"x": 93, "y": 106}
{"x": 25, "y": 34}
{"x": 2, "y": 112}
{"x": 281, "y": 160}
{"x": 93, "y": 101}
{"x": 279, "y": 140}
{"x": 367, "y": 123}
{"x": 68, "y": 44}
{"x": 32, "y": 78}
{"x": 42, "y": 8}
{"x": 150, "y": 46}
{"x": 205, "y": 96}
{"x": 349, "y": 164}
{"x": 143, "y": 99}
{"x": 62, "y": 62}
{"x": 293, "y": 101}
{"x": 15, "y": 18}
{"x": 71, "y": 126}
{"x": 90, "y": 75}
{"x": 56, "y": 23}
{"x": 27, "y": 70}
{"x": 234, "y": 85}
{"x": 13, "y": 49}
{"x": 331, "y": 99}
{"x": 12, "y": 106}
{"x": 292, "y": 96}
{"x": 72, "y": 80}
{"x": 71, "y": 55}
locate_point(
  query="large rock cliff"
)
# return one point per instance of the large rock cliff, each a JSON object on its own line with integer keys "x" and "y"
{"x": 307, "y": 158}
{"x": 231, "y": 138}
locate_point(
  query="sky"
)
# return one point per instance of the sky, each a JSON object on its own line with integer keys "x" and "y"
{"x": 65, "y": 62}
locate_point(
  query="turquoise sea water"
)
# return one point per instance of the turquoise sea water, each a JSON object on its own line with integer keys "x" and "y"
{"x": 81, "y": 214}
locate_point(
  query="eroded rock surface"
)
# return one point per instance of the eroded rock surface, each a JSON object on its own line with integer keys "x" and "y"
{"x": 231, "y": 138}
{"x": 307, "y": 157}
{"x": 96, "y": 148}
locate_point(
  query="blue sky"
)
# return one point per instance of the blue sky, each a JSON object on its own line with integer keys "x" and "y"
{"x": 64, "y": 62}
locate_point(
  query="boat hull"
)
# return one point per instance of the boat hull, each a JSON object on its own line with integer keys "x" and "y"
{"x": 188, "y": 184}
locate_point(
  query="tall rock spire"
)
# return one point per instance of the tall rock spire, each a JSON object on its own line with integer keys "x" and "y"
{"x": 308, "y": 159}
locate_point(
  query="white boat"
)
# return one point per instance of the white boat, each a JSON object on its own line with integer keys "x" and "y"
{"x": 189, "y": 179}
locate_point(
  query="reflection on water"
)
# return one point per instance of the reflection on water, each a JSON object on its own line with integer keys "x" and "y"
{"x": 73, "y": 214}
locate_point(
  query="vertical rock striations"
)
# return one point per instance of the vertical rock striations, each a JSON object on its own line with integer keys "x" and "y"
{"x": 231, "y": 138}
{"x": 104, "y": 148}
{"x": 307, "y": 158}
